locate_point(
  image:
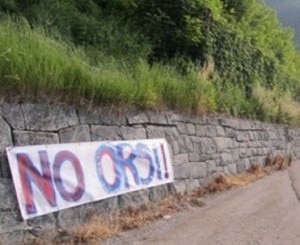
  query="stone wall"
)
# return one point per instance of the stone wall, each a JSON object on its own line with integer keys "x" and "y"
{"x": 200, "y": 147}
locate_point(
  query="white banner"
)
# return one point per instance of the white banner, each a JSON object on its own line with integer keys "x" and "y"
{"x": 49, "y": 178}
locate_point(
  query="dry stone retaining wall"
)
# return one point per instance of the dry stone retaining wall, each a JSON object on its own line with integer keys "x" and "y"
{"x": 200, "y": 147}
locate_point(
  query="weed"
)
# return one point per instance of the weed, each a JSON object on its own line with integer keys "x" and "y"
{"x": 38, "y": 66}
{"x": 99, "y": 228}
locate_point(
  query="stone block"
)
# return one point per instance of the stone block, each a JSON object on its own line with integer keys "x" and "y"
{"x": 241, "y": 168}
{"x": 158, "y": 193}
{"x": 11, "y": 228}
{"x": 232, "y": 169}
{"x": 191, "y": 130}
{"x": 266, "y": 136}
{"x": 197, "y": 143}
{"x": 211, "y": 167}
{"x": 133, "y": 133}
{"x": 207, "y": 157}
{"x": 137, "y": 117}
{"x": 194, "y": 157}
{"x": 23, "y": 138}
{"x": 223, "y": 144}
{"x": 242, "y": 136}
{"x": 235, "y": 144}
{"x": 105, "y": 116}
{"x": 225, "y": 159}
{"x": 252, "y": 135}
{"x": 175, "y": 147}
{"x": 181, "y": 158}
{"x": 279, "y": 145}
{"x": 180, "y": 187}
{"x": 185, "y": 145}
{"x": 252, "y": 152}
{"x": 77, "y": 215}
{"x": 181, "y": 127}
{"x": 170, "y": 148}
{"x": 69, "y": 218}
{"x": 48, "y": 117}
{"x": 134, "y": 199}
{"x": 5, "y": 135}
{"x": 192, "y": 185}
{"x": 108, "y": 206}
{"x": 193, "y": 170}
{"x": 45, "y": 223}
{"x": 229, "y": 132}
{"x": 259, "y": 152}
{"x": 80, "y": 133}
{"x": 200, "y": 130}
{"x": 212, "y": 121}
{"x": 220, "y": 169}
{"x": 210, "y": 131}
{"x": 220, "y": 131}
{"x": 171, "y": 134}
{"x": 208, "y": 146}
{"x": 109, "y": 133}
{"x": 260, "y": 135}
{"x": 182, "y": 145}
{"x": 272, "y": 135}
{"x": 174, "y": 118}
{"x": 230, "y": 123}
{"x": 261, "y": 160}
{"x": 157, "y": 118}
{"x": 257, "y": 144}
{"x": 155, "y": 132}
{"x": 243, "y": 165}
{"x": 204, "y": 182}
{"x": 243, "y": 153}
{"x": 235, "y": 155}
{"x": 4, "y": 167}
{"x": 7, "y": 195}
{"x": 255, "y": 135}
{"x": 244, "y": 125}
{"x": 13, "y": 114}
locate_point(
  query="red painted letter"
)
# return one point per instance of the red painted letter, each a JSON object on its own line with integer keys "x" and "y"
{"x": 60, "y": 158}
{"x": 29, "y": 173}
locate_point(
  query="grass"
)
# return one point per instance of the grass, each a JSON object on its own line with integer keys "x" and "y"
{"x": 34, "y": 66}
{"x": 278, "y": 106}
{"x": 38, "y": 67}
{"x": 256, "y": 171}
{"x": 100, "y": 228}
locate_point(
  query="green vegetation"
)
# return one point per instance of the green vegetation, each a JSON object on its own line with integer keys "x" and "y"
{"x": 192, "y": 55}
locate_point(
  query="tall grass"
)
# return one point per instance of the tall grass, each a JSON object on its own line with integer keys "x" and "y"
{"x": 36, "y": 66}
{"x": 33, "y": 63}
{"x": 278, "y": 106}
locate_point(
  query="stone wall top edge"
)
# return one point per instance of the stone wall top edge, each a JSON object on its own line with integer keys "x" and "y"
{"x": 132, "y": 116}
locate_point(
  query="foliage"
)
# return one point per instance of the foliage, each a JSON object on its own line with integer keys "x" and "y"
{"x": 34, "y": 64}
{"x": 199, "y": 55}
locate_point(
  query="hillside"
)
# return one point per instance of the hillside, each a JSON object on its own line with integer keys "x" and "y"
{"x": 190, "y": 55}
{"x": 289, "y": 14}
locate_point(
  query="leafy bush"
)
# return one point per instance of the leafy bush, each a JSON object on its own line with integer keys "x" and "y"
{"x": 194, "y": 55}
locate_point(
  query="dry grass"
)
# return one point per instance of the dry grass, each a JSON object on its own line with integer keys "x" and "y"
{"x": 278, "y": 106}
{"x": 89, "y": 233}
{"x": 256, "y": 171}
{"x": 137, "y": 218}
{"x": 99, "y": 228}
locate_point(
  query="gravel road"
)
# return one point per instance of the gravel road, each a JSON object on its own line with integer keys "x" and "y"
{"x": 265, "y": 212}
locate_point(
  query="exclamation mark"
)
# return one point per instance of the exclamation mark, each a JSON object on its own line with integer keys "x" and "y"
{"x": 157, "y": 163}
{"x": 165, "y": 161}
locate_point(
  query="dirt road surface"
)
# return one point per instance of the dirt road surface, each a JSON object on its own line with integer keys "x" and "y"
{"x": 265, "y": 212}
